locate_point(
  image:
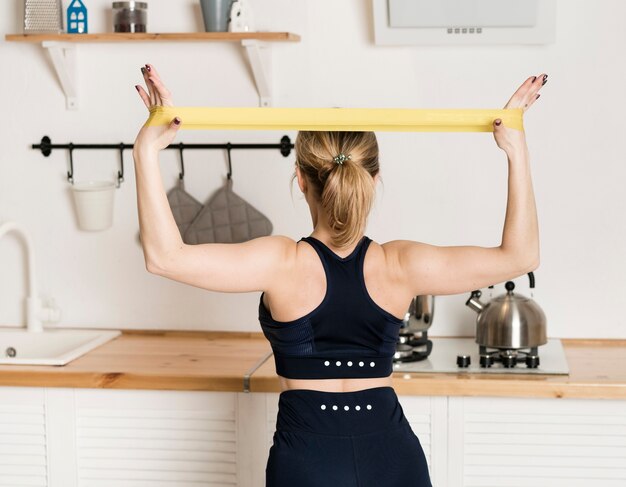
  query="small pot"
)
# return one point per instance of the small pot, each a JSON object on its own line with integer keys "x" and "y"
{"x": 420, "y": 314}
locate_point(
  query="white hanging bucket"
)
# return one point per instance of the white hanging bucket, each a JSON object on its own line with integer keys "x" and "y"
{"x": 94, "y": 204}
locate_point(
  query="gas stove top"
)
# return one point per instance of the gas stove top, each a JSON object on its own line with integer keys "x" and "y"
{"x": 444, "y": 353}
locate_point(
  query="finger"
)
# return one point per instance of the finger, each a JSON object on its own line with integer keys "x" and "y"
{"x": 173, "y": 126}
{"x": 516, "y": 101}
{"x": 157, "y": 97}
{"x": 152, "y": 71}
{"x": 149, "y": 85}
{"x": 531, "y": 94}
{"x": 532, "y": 101}
{"x": 163, "y": 93}
{"x": 154, "y": 75}
{"x": 526, "y": 95}
{"x": 144, "y": 96}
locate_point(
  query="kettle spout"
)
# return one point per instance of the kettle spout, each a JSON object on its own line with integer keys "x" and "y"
{"x": 475, "y": 303}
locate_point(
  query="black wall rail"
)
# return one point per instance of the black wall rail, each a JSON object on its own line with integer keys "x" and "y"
{"x": 46, "y": 147}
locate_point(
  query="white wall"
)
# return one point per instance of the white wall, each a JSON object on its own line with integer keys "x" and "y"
{"x": 444, "y": 189}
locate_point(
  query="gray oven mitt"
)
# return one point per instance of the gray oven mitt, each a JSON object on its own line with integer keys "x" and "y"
{"x": 184, "y": 207}
{"x": 227, "y": 218}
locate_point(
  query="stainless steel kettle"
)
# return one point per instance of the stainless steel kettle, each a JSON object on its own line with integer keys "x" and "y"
{"x": 510, "y": 320}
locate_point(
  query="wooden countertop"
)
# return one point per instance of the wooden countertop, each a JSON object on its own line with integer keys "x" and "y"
{"x": 597, "y": 370}
{"x": 151, "y": 359}
{"x": 225, "y": 361}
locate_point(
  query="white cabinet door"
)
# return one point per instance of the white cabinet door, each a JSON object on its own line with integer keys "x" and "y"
{"x": 540, "y": 442}
{"x": 23, "y": 457}
{"x": 132, "y": 438}
{"x": 428, "y": 417}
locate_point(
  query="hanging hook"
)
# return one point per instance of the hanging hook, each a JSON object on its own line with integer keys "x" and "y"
{"x": 181, "y": 174}
{"x": 229, "y": 176}
{"x": 120, "y": 174}
{"x": 70, "y": 173}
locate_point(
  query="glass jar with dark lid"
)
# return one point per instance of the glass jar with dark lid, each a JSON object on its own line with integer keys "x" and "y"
{"x": 130, "y": 16}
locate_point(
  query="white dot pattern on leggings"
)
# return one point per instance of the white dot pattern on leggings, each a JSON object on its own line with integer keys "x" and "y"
{"x": 327, "y": 363}
{"x": 335, "y": 408}
{"x": 361, "y": 364}
{"x": 338, "y": 363}
{"x": 323, "y": 406}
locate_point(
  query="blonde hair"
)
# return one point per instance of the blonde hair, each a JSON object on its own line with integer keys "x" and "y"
{"x": 347, "y": 190}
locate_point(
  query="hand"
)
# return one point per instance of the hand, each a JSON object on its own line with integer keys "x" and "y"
{"x": 511, "y": 140}
{"x": 155, "y": 138}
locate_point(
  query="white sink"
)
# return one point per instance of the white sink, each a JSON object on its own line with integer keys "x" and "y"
{"x": 51, "y": 346}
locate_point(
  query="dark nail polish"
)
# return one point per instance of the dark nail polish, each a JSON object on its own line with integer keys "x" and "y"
{"x": 148, "y": 67}
{"x": 538, "y": 95}
{"x": 545, "y": 79}
{"x": 177, "y": 121}
{"x": 137, "y": 87}
{"x": 498, "y": 122}
{"x": 143, "y": 70}
{"x": 534, "y": 78}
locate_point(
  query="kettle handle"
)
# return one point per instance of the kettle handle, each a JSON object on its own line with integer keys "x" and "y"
{"x": 531, "y": 277}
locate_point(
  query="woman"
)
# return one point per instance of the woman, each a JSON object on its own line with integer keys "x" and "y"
{"x": 332, "y": 303}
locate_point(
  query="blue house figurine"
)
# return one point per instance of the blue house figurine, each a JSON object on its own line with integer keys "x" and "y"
{"x": 76, "y": 17}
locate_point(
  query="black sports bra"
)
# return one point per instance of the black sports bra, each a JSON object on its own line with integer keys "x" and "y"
{"x": 347, "y": 336}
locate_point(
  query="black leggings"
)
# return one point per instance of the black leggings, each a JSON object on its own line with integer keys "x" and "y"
{"x": 344, "y": 439}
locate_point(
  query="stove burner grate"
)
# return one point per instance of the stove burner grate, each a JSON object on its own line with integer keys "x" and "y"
{"x": 412, "y": 348}
{"x": 509, "y": 358}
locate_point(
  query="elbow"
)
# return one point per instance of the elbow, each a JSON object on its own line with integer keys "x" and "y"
{"x": 152, "y": 267}
{"x": 152, "y": 261}
{"x": 521, "y": 263}
{"x": 160, "y": 264}
{"x": 531, "y": 264}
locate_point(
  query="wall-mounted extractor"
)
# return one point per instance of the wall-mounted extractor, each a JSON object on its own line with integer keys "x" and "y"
{"x": 464, "y": 22}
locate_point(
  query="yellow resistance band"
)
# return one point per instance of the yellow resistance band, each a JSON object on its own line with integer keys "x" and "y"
{"x": 337, "y": 119}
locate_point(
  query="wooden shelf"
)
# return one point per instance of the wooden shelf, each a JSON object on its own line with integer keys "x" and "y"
{"x": 149, "y": 36}
{"x": 62, "y": 50}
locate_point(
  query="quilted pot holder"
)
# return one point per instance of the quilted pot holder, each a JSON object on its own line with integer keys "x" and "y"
{"x": 227, "y": 218}
{"x": 184, "y": 207}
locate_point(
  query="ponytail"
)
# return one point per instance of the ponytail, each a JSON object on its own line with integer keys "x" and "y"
{"x": 347, "y": 199}
{"x": 346, "y": 189}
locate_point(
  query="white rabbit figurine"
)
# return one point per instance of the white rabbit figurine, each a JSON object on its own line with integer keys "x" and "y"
{"x": 241, "y": 19}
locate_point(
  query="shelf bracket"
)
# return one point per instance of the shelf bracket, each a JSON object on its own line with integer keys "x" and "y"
{"x": 63, "y": 57}
{"x": 260, "y": 59}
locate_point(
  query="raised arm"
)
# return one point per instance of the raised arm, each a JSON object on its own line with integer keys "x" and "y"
{"x": 441, "y": 270}
{"x": 250, "y": 266}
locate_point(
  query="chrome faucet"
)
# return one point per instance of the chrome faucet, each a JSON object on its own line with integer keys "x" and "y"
{"x": 36, "y": 312}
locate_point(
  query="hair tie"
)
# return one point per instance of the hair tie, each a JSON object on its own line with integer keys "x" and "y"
{"x": 341, "y": 157}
